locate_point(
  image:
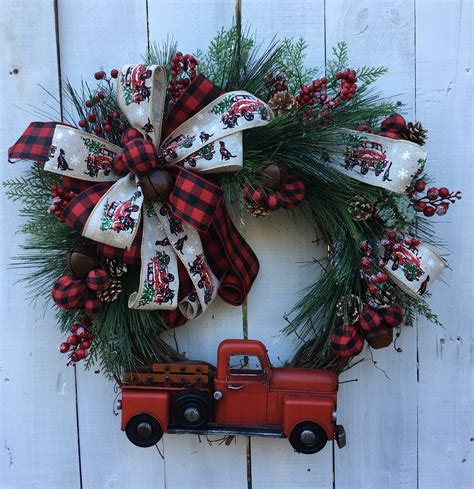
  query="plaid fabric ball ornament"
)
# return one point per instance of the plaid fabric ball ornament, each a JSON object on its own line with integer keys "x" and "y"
{"x": 93, "y": 305}
{"x": 369, "y": 319}
{"x": 69, "y": 293}
{"x": 347, "y": 341}
{"x": 97, "y": 279}
{"x": 393, "y": 316}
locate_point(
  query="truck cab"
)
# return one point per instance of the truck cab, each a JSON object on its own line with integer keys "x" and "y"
{"x": 244, "y": 395}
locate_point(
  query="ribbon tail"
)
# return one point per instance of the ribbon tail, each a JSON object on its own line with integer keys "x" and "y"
{"x": 230, "y": 257}
{"x": 159, "y": 277}
{"x": 188, "y": 247}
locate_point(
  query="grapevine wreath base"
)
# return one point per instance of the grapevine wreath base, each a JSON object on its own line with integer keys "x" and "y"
{"x": 128, "y": 209}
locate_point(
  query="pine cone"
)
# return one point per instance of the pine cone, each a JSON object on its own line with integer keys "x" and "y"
{"x": 383, "y": 298}
{"x": 111, "y": 293}
{"x": 282, "y": 102}
{"x": 114, "y": 268}
{"x": 353, "y": 306}
{"x": 360, "y": 209}
{"x": 257, "y": 211}
{"x": 415, "y": 133}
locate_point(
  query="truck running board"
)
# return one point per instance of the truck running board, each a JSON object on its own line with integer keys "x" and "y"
{"x": 216, "y": 429}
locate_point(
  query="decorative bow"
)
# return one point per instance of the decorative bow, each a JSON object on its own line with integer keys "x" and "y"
{"x": 159, "y": 212}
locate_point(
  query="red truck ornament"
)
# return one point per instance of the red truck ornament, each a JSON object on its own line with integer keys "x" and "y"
{"x": 244, "y": 395}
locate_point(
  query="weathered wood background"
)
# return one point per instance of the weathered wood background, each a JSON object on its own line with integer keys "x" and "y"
{"x": 409, "y": 429}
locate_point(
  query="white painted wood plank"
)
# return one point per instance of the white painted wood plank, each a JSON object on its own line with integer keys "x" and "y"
{"x": 94, "y": 35}
{"x": 38, "y": 433}
{"x": 190, "y": 462}
{"x": 285, "y": 251}
{"x": 379, "y": 414}
{"x": 444, "y": 60}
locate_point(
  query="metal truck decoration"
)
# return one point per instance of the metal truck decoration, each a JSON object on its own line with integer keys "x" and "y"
{"x": 244, "y": 395}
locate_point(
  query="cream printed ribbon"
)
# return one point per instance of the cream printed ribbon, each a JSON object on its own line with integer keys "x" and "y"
{"x": 210, "y": 141}
{"x": 380, "y": 161}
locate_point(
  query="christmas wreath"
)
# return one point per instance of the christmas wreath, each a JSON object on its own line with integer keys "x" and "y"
{"x": 127, "y": 203}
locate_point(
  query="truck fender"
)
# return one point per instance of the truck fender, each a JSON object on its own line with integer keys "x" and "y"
{"x": 139, "y": 401}
{"x": 318, "y": 409}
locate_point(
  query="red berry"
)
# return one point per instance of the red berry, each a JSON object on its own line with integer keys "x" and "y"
{"x": 81, "y": 354}
{"x": 92, "y": 117}
{"x": 382, "y": 277}
{"x": 374, "y": 279}
{"x": 82, "y": 123}
{"x": 101, "y": 95}
{"x": 89, "y": 103}
{"x": 414, "y": 242}
{"x": 442, "y": 209}
{"x": 98, "y": 75}
{"x": 114, "y": 73}
{"x": 392, "y": 235}
{"x": 364, "y": 246}
{"x": 98, "y": 130}
{"x": 420, "y": 185}
{"x": 372, "y": 289}
{"x": 443, "y": 192}
{"x": 429, "y": 211}
{"x": 74, "y": 328}
{"x": 108, "y": 128}
{"x": 419, "y": 206}
{"x": 116, "y": 115}
{"x": 86, "y": 344}
{"x": 64, "y": 347}
{"x": 366, "y": 262}
{"x": 432, "y": 193}
{"x": 122, "y": 127}
{"x": 73, "y": 339}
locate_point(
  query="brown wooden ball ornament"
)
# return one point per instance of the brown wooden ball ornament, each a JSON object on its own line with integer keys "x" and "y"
{"x": 157, "y": 184}
{"x": 380, "y": 337}
{"x": 81, "y": 260}
{"x": 275, "y": 175}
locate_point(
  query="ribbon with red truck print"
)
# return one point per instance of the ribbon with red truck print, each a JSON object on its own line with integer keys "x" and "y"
{"x": 190, "y": 230}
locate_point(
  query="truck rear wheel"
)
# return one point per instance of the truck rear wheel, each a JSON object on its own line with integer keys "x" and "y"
{"x": 192, "y": 409}
{"x": 308, "y": 437}
{"x": 143, "y": 430}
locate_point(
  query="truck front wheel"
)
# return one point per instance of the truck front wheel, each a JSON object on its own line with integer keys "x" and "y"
{"x": 192, "y": 409}
{"x": 143, "y": 430}
{"x": 308, "y": 437}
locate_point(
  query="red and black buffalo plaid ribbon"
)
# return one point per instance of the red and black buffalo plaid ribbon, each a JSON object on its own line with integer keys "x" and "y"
{"x": 200, "y": 93}
{"x": 230, "y": 258}
{"x": 195, "y": 200}
{"x": 34, "y": 144}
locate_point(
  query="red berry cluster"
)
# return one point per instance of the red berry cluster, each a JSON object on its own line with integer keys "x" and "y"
{"x": 78, "y": 342}
{"x": 183, "y": 72}
{"x": 367, "y": 271}
{"x": 313, "y": 93}
{"x": 61, "y": 199}
{"x": 99, "y": 117}
{"x": 276, "y": 83}
{"x": 347, "y": 87}
{"x": 436, "y": 200}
